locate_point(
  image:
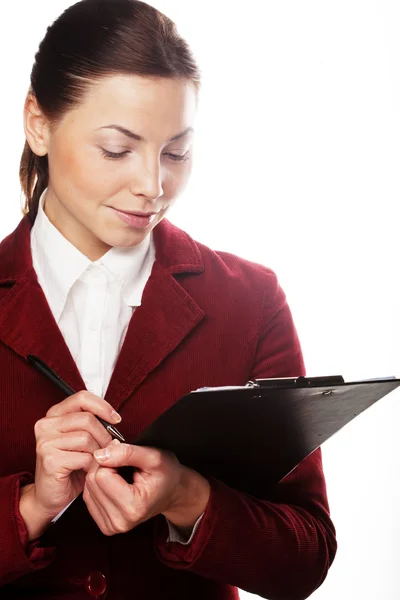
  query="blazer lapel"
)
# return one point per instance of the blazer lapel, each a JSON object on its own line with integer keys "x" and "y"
{"x": 27, "y": 325}
{"x": 166, "y": 316}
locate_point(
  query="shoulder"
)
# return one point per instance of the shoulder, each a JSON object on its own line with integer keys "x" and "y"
{"x": 177, "y": 250}
{"x": 236, "y": 268}
{"x": 246, "y": 297}
{"x": 216, "y": 276}
{"x": 241, "y": 276}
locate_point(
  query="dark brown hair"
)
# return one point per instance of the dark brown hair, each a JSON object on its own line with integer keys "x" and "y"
{"x": 91, "y": 40}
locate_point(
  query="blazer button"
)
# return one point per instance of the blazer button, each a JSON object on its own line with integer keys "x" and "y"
{"x": 96, "y": 584}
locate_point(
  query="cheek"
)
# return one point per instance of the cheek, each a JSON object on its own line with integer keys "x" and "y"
{"x": 68, "y": 169}
{"x": 176, "y": 179}
{"x": 64, "y": 157}
{"x": 80, "y": 171}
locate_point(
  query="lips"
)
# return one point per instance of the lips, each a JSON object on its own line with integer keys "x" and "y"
{"x": 136, "y": 213}
{"x": 137, "y": 219}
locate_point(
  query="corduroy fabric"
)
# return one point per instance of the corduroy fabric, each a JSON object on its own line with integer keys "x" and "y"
{"x": 206, "y": 318}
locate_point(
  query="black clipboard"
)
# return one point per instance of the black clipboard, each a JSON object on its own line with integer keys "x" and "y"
{"x": 251, "y": 437}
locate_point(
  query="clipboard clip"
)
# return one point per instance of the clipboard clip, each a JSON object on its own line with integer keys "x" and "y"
{"x": 295, "y": 382}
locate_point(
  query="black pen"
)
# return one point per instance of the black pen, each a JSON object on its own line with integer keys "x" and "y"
{"x": 41, "y": 366}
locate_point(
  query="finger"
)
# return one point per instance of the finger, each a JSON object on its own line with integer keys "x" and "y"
{"x": 97, "y": 512}
{"x": 50, "y": 427}
{"x": 76, "y": 441}
{"x": 115, "y": 497}
{"x": 85, "y": 401}
{"x": 124, "y": 455}
{"x": 107, "y": 483}
{"x": 89, "y": 495}
{"x": 53, "y": 460}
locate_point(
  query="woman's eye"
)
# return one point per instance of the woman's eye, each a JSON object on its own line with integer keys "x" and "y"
{"x": 114, "y": 155}
{"x": 178, "y": 157}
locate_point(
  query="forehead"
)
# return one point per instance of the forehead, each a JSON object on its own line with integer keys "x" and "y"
{"x": 151, "y": 107}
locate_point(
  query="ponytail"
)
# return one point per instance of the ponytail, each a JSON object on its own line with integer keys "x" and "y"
{"x": 34, "y": 178}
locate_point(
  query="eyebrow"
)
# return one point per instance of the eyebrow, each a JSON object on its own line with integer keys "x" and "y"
{"x": 139, "y": 138}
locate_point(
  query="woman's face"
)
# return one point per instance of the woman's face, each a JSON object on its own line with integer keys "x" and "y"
{"x": 118, "y": 161}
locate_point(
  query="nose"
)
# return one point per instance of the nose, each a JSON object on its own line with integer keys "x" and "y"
{"x": 147, "y": 179}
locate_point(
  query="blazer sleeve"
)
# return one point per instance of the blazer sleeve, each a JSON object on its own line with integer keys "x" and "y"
{"x": 279, "y": 548}
{"x": 18, "y": 556}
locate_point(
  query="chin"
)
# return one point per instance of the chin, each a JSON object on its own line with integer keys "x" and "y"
{"x": 134, "y": 238}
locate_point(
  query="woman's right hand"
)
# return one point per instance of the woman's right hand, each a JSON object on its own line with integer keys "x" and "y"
{"x": 65, "y": 441}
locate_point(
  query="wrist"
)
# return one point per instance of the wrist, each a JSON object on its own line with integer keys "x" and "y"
{"x": 190, "y": 501}
{"x": 35, "y": 521}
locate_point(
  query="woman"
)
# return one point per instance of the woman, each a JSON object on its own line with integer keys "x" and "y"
{"x": 124, "y": 306}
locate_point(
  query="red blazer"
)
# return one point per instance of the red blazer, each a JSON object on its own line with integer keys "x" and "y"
{"x": 206, "y": 318}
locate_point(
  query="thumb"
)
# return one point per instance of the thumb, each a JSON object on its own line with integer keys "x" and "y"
{"x": 127, "y": 455}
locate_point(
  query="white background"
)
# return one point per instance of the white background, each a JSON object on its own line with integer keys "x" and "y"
{"x": 296, "y": 168}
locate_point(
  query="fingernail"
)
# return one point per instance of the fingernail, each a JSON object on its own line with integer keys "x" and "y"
{"x": 102, "y": 454}
{"x": 115, "y": 441}
{"x": 116, "y": 417}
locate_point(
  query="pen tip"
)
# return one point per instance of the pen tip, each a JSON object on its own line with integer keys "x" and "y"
{"x": 116, "y": 434}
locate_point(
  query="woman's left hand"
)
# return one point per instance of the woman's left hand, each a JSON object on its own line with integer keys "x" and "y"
{"x": 161, "y": 485}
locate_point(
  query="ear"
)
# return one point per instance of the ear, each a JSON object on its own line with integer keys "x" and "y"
{"x": 36, "y": 126}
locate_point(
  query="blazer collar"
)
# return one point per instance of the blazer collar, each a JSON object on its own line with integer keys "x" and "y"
{"x": 59, "y": 269}
{"x": 167, "y": 315}
{"x": 176, "y": 252}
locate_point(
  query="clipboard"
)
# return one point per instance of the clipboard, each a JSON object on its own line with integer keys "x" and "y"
{"x": 251, "y": 437}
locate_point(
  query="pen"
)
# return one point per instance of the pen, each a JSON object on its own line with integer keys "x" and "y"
{"x": 41, "y": 366}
